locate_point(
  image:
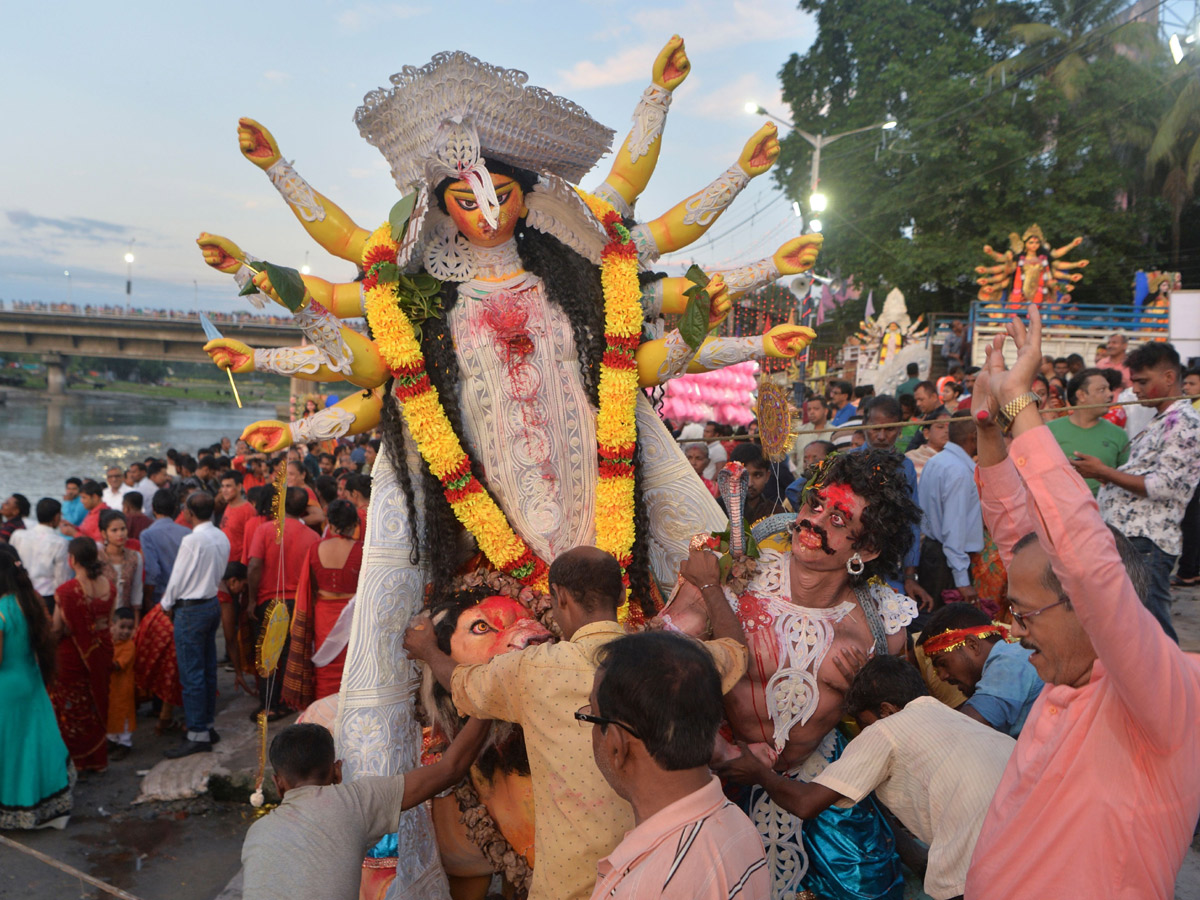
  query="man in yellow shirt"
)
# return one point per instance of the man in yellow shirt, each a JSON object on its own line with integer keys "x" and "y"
{"x": 580, "y": 819}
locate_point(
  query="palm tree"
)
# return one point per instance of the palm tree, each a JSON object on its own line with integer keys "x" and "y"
{"x": 1072, "y": 34}
{"x": 1175, "y": 153}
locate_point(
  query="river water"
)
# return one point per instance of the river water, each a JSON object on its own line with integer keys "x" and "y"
{"x": 45, "y": 441}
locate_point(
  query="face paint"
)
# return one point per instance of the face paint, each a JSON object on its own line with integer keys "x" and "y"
{"x": 840, "y": 497}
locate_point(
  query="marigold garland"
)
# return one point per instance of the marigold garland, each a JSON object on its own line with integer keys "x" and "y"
{"x": 616, "y": 427}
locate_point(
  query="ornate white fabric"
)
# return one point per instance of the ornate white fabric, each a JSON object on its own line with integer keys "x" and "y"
{"x": 243, "y": 276}
{"x": 325, "y": 331}
{"x": 713, "y": 200}
{"x": 649, "y": 119}
{"x": 447, "y": 255}
{"x": 556, "y": 208}
{"x": 519, "y": 124}
{"x": 377, "y": 730}
{"x": 526, "y": 415}
{"x": 295, "y": 191}
{"x": 326, "y": 424}
{"x": 780, "y": 830}
{"x": 289, "y": 360}
{"x": 751, "y": 276}
{"x": 715, "y": 353}
{"x": 648, "y": 250}
{"x": 895, "y": 610}
{"x": 652, "y": 299}
{"x": 677, "y": 359}
{"x": 678, "y": 504}
{"x": 611, "y": 195}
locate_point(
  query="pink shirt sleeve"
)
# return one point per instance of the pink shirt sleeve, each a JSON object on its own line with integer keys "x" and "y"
{"x": 1005, "y": 506}
{"x": 1149, "y": 671}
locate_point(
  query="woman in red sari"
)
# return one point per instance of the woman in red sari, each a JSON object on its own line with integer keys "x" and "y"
{"x": 321, "y": 620}
{"x": 85, "y": 657}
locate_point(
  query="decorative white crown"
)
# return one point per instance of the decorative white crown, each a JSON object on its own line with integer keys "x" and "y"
{"x": 442, "y": 117}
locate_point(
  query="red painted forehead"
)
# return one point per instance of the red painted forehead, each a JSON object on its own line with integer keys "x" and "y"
{"x": 840, "y": 497}
{"x": 502, "y": 611}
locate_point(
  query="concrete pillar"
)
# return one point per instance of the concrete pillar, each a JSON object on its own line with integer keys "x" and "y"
{"x": 56, "y": 374}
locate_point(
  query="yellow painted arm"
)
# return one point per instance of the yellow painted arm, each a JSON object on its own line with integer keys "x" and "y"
{"x": 363, "y": 407}
{"x": 797, "y": 255}
{"x": 325, "y": 221}
{"x": 781, "y": 342}
{"x": 687, "y": 221}
{"x": 635, "y": 162}
{"x": 342, "y": 299}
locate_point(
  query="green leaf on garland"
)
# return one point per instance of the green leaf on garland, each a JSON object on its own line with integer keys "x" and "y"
{"x": 247, "y": 289}
{"x": 693, "y": 325}
{"x": 400, "y": 214}
{"x": 387, "y": 271}
{"x": 287, "y": 284}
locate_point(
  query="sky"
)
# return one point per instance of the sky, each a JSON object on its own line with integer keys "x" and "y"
{"x": 120, "y": 123}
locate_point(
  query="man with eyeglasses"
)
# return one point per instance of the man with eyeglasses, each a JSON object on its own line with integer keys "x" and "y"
{"x": 653, "y": 747}
{"x": 579, "y": 817}
{"x": 1100, "y": 797}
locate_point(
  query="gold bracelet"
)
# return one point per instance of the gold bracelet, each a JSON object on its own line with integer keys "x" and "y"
{"x": 714, "y": 584}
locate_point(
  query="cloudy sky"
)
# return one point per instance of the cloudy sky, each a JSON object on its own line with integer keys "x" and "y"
{"x": 120, "y": 122}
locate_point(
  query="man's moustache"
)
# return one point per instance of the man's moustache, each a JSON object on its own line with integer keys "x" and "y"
{"x": 819, "y": 532}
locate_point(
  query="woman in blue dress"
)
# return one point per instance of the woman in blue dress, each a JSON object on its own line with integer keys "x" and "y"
{"x": 36, "y": 774}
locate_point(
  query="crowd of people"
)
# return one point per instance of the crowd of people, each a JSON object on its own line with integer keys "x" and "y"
{"x": 113, "y": 595}
{"x": 973, "y": 732}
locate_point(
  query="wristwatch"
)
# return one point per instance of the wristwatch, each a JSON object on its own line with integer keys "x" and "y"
{"x": 1010, "y": 410}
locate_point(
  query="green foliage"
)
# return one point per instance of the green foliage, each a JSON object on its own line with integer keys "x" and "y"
{"x": 693, "y": 325}
{"x": 1010, "y": 114}
{"x": 400, "y": 214}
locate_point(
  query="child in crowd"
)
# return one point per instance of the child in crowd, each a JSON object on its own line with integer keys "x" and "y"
{"x": 763, "y": 496}
{"x": 239, "y": 642}
{"x": 122, "y": 707}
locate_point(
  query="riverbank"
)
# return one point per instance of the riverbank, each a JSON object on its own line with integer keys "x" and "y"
{"x": 193, "y": 390}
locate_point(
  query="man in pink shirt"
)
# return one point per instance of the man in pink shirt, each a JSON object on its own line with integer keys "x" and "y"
{"x": 654, "y": 711}
{"x": 1101, "y": 795}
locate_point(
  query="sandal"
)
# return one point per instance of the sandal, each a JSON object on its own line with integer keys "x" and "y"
{"x": 1176, "y": 581}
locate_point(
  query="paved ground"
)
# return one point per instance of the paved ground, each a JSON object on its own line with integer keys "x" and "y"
{"x": 189, "y": 849}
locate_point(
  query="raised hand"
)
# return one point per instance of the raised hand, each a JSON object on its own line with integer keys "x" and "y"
{"x": 799, "y": 254}
{"x": 786, "y": 341}
{"x": 760, "y": 151}
{"x": 257, "y": 144}
{"x": 672, "y": 66}
{"x": 1002, "y": 383}
{"x": 220, "y": 252}
{"x": 745, "y": 769}
{"x": 268, "y": 435}
{"x": 230, "y": 354}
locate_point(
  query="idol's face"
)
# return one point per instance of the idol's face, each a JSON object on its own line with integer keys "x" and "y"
{"x": 464, "y": 209}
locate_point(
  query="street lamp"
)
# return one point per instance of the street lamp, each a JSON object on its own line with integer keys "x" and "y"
{"x": 67, "y": 273}
{"x": 817, "y": 200}
{"x": 304, "y": 269}
{"x": 129, "y": 269}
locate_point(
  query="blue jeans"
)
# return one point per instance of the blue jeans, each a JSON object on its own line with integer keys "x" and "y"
{"x": 196, "y": 653}
{"x": 1158, "y": 599}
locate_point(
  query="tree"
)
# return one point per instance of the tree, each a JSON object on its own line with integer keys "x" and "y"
{"x": 975, "y": 157}
{"x": 1173, "y": 161}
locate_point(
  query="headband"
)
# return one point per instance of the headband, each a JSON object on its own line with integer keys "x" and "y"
{"x": 957, "y": 637}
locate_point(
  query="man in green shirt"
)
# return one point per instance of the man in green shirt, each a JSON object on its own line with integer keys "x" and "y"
{"x": 914, "y": 378}
{"x": 1085, "y": 430}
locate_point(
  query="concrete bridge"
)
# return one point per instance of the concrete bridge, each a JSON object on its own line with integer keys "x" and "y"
{"x": 57, "y": 335}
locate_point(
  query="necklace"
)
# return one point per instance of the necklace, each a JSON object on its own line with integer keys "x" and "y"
{"x": 442, "y": 448}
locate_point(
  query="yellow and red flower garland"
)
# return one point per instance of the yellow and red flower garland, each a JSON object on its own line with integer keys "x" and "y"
{"x": 441, "y": 448}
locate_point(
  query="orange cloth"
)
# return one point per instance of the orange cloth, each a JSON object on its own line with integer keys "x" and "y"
{"x": 122, "y": 710}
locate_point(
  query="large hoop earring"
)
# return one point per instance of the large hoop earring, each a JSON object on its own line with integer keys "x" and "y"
{"x": 855, "y": 565}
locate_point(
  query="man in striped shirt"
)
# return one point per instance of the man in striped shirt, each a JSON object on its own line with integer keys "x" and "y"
{"x": 654, "y": 711}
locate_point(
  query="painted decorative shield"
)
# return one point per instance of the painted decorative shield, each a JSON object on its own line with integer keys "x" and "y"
{"x": 273, "y": 637}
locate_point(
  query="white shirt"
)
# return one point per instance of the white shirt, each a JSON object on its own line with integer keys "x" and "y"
{"x": 940, "y": 795}
{"x": 199, "y": 566}
{"x": 43, "y": 553}
{"x": 147, "y": 489}
{"x": 112, "y": 499}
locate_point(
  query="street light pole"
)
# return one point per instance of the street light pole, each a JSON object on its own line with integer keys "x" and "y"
{"x": 129, "y": 271}
{"x": 817, "y": 201}
{"x": 67, "y": 272}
